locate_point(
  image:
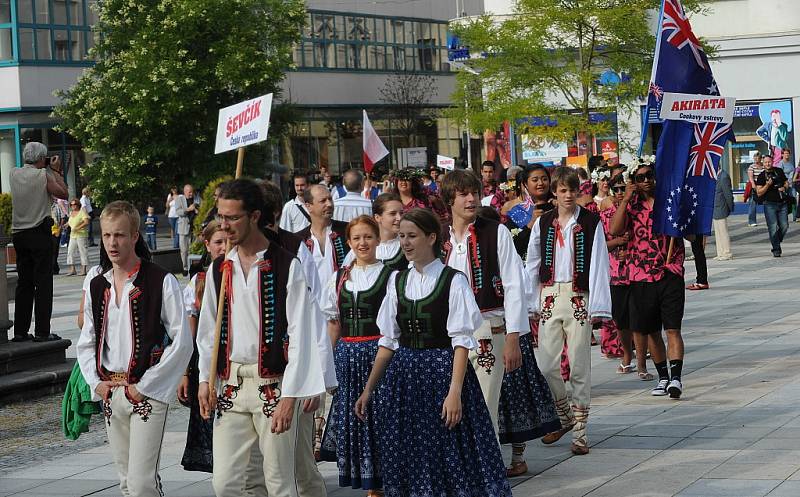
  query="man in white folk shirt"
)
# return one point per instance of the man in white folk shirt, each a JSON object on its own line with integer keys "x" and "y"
{"x": 294, "y": 216}
{"x": 353, "y": 204}
{"x": 568, "y": 268}
{"x": 484, "y": 251}
{"x": 133, "y": 365}
{"x": 268, "y": 360}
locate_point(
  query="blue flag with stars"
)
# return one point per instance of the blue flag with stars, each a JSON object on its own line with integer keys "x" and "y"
{"x": 688, "y": 154}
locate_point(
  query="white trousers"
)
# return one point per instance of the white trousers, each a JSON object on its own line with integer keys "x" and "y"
{"x": 309, "y": 480}
{"x": 564, "y": 316}
{"x": 78, "y": 245}
{"x": 244, "y": 423}
{"x": 487, "y": 361}
{"x": 722, "y": 238}
{"x": 184, "y": 243}
{"x": 135, "y": 439}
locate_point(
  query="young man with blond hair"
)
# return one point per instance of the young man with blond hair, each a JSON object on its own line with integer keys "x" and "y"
{"x": 133, "y": 350}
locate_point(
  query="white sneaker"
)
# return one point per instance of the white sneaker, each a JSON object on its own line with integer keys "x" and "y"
{"x": 753, "y": 224}
{"x": 661, "y": 389}
{"x": 675, "y": 389}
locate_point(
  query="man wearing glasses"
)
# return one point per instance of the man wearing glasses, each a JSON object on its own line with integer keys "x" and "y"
{"x": 657, "y": 292}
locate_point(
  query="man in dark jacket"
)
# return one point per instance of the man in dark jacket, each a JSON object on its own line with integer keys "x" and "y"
{"x": 723, "y": 206}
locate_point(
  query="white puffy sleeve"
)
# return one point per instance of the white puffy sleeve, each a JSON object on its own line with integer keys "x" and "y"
{"x": 532, "y": 266}
{"x": 464, "y": 316}
{"x": 599, "y": 279}
{"x": 329, "y": 303}
{"x": 387, "y": 316}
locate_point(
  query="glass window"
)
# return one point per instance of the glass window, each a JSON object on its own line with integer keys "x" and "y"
{"x": 24, "y": 11}
{"x": 62, "y": 44}
{"x": 43, "y": 49}
{"x": 5, "y": 11}
{"x": 42, "y": 12}
{"x": 26, "y": 44}
{"x": 91, "y": 12}
{"x": 75, "y": 8}
{"x": 76, "y": 45}
{"x": 6, "y": 51}
{"x": 59, "y": 11}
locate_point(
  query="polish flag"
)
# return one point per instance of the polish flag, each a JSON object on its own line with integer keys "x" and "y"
{"x": 374, "y": 150}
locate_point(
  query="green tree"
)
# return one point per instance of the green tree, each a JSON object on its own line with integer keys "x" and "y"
{"x": 545, "y": 59}
{"x": 149, "y": 107}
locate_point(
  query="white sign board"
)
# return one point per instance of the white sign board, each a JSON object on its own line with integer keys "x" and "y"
{"x": 538, "y": 149}
{"x": 243, "y": 124}
{"x": 444, "y": 162}
{"x": 697, "y": 108}
{"x": 416, "y": 157}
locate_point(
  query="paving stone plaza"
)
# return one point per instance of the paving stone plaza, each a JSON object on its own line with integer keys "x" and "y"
{"x": 735, "y": 431}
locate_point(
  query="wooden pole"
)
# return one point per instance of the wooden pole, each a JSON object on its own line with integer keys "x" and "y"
{"x": 212, "y": 370}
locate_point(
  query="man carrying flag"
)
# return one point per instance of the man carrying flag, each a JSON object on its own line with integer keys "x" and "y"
{"x": 673, "y": 198}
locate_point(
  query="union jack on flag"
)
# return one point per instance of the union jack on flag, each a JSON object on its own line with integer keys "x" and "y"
{"x": 709, "y": 141}
{"x": 679, "y": 32}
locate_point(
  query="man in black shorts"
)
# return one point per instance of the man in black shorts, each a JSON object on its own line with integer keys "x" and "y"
{"x": 657, "y": 291}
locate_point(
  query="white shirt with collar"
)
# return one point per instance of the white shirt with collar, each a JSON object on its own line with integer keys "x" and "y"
{"x": 352, "y": 205}
{"x": 159, "y": 382}
{"x": 292, "y": 217}
{"x": 386, "y": 251}
{"x": 599, "y": 281}
{"x": 463, "y": 318}
{"x": 323, "y": 260}
{"x": 361, "y": 278}
{"x": 511, "y": 273}
{"x": 303, "y": 376}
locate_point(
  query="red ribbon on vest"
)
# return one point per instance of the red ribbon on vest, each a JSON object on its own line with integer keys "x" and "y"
{"x": 228, "y": 282}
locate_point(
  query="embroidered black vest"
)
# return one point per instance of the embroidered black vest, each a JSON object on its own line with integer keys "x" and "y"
{"x": 273, "y": 275}
{"x": 357, "y": 315}
{"x": 338, "y": 242}
{"x": 423, "y": 323}
{"x": 398, "y": 262}
{"x": 582, "y": 241}
{"x": 487, "y": 285}
{"x": 149, "y": 337}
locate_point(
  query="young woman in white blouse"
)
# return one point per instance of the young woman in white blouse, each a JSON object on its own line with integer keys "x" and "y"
{"x": 436, "y": 435}
{"x": 350, "y": 301}
{"x": 387, "y": 209}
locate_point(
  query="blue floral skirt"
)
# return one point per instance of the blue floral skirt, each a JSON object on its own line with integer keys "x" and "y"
{"x": 419, "y": 456}
{"x": 348, "y": 441}
{"x": 527, "y": 410}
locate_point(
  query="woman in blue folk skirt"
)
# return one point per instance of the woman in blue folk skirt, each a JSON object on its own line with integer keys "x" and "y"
{"x": 434, "y": 430}
{"x": 351, "y": 301}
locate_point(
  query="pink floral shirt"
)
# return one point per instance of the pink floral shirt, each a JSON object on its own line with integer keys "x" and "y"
{"x": 647, "y": 252}
{"x": 618, "y": 257}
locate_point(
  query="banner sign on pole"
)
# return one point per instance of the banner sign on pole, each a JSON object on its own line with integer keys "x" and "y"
{"x": 697, "y": 108}
{"x": 243, "y": 124}
{"x": 444, "y": 162}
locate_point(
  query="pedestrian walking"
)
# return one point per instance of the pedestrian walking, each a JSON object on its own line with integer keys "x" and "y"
{"x": 86, "y": 205}
{"x": 186, "y": 210}
{"x": 436, "y": 435}
{"x": 750, "y": 192}
{"x": 789, "y": 170}
{"x": 772, "y": 188}
{"x": 32, "y": 187}
{"x": 79, "y": 222}
{"x": 172, "y": 215}
{"x": 723, "y": 206}
{"x": 353, "y": 203}
{"x": 133, "y": 348}
{"x": 151, "y": 227}
{"x": 294, "y": 216}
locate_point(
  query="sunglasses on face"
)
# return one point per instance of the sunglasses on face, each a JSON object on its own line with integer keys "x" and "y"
{"x": 618, "y": 189}
{"x": 641, "y": 178}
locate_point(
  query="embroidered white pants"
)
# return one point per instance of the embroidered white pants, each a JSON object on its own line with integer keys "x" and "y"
{"x": 243, "y": 422}
{"x": 135, "y": 440}
{"x": 564, "y": 315}
{"x": 487, "y": 361}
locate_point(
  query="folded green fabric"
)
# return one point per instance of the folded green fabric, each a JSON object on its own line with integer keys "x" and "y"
{"x": 77, "y": 406}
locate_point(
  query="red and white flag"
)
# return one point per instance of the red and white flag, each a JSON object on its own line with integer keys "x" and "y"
{"x": 374, "y": 150}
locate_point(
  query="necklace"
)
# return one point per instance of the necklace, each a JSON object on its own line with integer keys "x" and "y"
{"x": 461, "y": 248}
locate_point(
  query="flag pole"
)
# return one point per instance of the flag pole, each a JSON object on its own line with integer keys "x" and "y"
{"x": 669, "y": 250}
{"x": 646, "y": 117}
{"x": 212, "y": 370}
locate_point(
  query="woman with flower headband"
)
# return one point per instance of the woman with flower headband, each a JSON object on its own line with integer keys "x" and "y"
{"x": 350, "y": 301}
{"x": 436, "y": 435}
{"x": 601, "y": 178}
{"x": 408, "y": 185}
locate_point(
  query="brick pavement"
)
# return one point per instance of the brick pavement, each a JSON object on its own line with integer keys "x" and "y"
{"x": 735, "y": 432}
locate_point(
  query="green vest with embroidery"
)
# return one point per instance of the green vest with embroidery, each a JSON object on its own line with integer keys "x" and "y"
{"x": 423, "y": 322}
{"x": 357, "y": 313}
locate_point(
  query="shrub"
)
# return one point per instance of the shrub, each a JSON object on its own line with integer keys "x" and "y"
{"x": 206, "y": 203}
{"x": 5, "y": 212}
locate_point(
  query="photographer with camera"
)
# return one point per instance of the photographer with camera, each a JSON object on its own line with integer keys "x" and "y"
{"x": 32, "y": 187}
{"x": 772, "y": 187}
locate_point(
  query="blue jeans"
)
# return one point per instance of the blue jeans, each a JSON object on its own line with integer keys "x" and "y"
{"x": 777, "y": 216}
{"x": 751, "y": 209}
{"x": 151, "y": 240}
{"x": 173, "y": 222}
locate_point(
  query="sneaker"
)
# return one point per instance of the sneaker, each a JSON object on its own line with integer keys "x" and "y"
{"x": 753, "y": 224}
{"x": 661, "y": 389}
{"x": 675, "y": 388}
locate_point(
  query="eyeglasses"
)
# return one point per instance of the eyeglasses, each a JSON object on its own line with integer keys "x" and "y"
{"x": 618, "y": 189}
{"x": 641, "y": 178}
{"x": 228, "y": 219}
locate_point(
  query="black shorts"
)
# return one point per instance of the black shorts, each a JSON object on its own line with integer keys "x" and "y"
{"x": 657, "y": 305}
{"x": 620, "y": 306}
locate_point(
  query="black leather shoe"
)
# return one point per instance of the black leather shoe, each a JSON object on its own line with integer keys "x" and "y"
{"x": 52, "y": 337}
{"x": 22, "y": 338}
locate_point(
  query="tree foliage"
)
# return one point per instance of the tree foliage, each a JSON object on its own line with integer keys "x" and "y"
{"x": 545, "y": 60}
{"x": 149, "y": 107}
{"x": 409, "y": 93}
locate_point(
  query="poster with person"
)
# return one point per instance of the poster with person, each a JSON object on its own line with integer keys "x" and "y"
{"x": 776, "y": 119}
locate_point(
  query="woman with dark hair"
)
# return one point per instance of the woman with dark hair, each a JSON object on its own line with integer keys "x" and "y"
{"x": 436, "y": 435}
{"x": 408, "y": 186}
{"x": 350, "y": 302}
